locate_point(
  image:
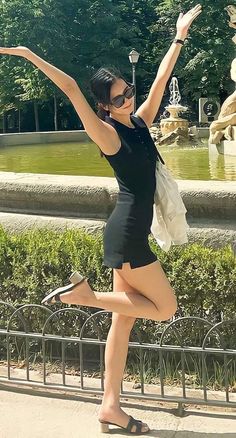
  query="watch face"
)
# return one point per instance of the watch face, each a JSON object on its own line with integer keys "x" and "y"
{"x": 210, "y": 108}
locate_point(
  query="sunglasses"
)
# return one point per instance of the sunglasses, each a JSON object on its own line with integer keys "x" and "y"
{"x": 119, "y": 100}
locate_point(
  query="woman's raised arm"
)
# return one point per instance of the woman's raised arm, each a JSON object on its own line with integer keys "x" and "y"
{"x": 150, "y": 106}
{"x": 100, "y": 132}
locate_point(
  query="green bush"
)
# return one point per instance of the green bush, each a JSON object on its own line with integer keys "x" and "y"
{"x": 204, "y": 279}
{"x": 35, "y": 261}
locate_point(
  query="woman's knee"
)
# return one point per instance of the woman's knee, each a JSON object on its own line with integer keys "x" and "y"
{"x": 168, "y": 310}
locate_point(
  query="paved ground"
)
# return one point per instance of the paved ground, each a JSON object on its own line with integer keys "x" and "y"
{"x": 24, "y": 414}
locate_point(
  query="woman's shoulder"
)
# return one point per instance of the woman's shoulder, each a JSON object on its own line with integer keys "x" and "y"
{"x": 138, "y": 121}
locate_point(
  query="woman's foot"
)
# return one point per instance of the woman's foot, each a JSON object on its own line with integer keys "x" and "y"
{"x": 118, "y": 416}
{"x": 81, "y": 294}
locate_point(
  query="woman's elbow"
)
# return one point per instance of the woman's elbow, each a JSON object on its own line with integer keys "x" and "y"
{"x": 69, "y": 86}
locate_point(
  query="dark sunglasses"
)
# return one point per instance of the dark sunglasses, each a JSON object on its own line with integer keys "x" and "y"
{"x": 119, "y": 100}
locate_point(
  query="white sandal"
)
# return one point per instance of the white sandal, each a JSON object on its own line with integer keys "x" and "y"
{"x": 75, "y": 279}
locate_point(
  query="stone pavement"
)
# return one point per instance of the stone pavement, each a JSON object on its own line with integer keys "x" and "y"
{"x": 35, "y": 414}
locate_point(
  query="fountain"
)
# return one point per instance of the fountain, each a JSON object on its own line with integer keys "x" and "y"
{"x": 174, "y": 130}
{"x": 174, "y": 122}
{"x": 223, "y": 130}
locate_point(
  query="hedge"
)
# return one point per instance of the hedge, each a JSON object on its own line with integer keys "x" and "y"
{"x": 204, "y": 279}
{"x": 37, "y": 260}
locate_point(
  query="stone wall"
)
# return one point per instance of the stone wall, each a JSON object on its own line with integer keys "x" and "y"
{"x": 34, "y": 200}
{"x": 25, "y": 138}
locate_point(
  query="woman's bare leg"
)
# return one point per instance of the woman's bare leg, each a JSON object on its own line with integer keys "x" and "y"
{"x": 155, "y": 298}
{"x": 115, "y": 360}
{"x": 149, "y": 296}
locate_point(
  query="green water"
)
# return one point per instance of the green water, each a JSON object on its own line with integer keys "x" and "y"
{"x": 84, "y": 159}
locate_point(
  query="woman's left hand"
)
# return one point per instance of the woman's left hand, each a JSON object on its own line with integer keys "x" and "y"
{"x": 185, "y": 20}
{"x": 18, "y": 51}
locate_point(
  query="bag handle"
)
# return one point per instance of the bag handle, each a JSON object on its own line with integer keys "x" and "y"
{"x": 160, "y": 157}
{"x": 138, "y": 121}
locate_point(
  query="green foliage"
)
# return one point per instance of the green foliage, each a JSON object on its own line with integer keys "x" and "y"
{"x": 204, "y": 280}
{"x": 80, "y": 36}
{"x": 215, "y": 378}
{"x": 204, "y": 64}
{"x": 34, "y": 261}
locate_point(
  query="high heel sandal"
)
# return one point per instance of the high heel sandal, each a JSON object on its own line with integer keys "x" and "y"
{"x": 75, "y": 279}
{"x": 104, "y": 426}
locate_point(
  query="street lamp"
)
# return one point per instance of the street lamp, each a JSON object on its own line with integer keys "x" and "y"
{"x": 133, "y": 58}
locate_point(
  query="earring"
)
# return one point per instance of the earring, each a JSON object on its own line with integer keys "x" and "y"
{"x": 101, "y": 107}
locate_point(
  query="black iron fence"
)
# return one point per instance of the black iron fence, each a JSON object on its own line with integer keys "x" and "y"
{"x": 191, "y": 358}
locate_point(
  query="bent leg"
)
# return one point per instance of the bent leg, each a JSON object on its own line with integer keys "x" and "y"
{"x": 155, "y": 298}
{"x": 152, "y": 283}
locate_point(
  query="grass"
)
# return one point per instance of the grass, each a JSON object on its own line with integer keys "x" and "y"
{"x": 216, "y": 374}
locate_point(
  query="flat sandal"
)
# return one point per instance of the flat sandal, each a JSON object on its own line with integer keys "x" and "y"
{"x": 75, "y": 279}
{"x": 104, "y": 426}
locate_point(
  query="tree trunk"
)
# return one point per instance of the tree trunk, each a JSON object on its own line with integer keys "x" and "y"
{"x": 36, "y": 116}
{"x": 19, "y": 120}
{"x": 4, "y": 122}
{"x": 55, "y": 113}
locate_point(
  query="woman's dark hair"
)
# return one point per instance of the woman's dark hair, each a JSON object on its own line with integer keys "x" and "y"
{"x": 100, "y": 85}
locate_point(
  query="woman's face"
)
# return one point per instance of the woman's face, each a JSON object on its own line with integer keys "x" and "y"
{"x": 117, "y": 89}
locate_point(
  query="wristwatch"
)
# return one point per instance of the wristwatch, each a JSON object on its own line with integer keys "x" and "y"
{"x": 178, "y": 41}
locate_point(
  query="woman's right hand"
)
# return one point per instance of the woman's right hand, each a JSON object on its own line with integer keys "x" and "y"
{"x": 18, "y": 51}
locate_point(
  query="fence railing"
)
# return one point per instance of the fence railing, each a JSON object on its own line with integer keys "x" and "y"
{"x": 198, "y": 350}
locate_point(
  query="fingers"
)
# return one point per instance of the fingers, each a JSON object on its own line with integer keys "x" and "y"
{"x": 196, "y": 15}
{"x": 195, "y": 11}
{"x": 197, "y": 7}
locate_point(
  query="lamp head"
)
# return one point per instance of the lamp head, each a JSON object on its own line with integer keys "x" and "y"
{"x": 134, "y": 56}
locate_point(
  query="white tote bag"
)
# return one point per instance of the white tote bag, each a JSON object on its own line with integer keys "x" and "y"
{"x": 169, "y": 224}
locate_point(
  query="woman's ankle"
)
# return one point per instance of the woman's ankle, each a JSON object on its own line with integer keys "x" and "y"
{"x": 110, "y": 404}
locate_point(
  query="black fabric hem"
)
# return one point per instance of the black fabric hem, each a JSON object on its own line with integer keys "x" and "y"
{"x": 133, "y": 264}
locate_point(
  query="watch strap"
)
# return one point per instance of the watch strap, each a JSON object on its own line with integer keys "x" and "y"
{"x": 176, "y": 40}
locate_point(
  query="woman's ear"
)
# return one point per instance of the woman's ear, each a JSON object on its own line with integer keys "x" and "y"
{"x": 104, "y": 107}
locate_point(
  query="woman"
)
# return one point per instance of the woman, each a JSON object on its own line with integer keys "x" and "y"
{"x": 141, "y": 289}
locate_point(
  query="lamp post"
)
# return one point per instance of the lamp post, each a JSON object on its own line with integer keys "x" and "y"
{"x": 133, "y": 58}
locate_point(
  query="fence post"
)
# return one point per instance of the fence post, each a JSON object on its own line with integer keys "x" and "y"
{"x": 180, "y": 409}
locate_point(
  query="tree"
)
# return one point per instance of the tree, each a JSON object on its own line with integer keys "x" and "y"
{"x": 204, "y": 65}
{"x": 79, "y": 36}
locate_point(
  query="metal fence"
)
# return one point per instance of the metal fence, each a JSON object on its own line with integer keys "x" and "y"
{"x": 35, "y": 333}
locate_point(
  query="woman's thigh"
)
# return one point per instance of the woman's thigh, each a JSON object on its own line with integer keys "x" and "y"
{"x": 151, "y": 281}
{"x": 121, "y": 285}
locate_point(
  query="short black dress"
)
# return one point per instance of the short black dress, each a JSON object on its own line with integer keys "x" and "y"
{"x": 126, "y": 233}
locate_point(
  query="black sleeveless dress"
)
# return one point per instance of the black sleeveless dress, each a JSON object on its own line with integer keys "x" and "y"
{"x": 126, "y": 233}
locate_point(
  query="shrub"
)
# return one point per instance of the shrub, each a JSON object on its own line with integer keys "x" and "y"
{"x": 37, "y": 260}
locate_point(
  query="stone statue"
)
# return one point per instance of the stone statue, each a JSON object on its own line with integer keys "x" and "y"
{"x": 232, "y": 14}
{"x": 223, "y": 127}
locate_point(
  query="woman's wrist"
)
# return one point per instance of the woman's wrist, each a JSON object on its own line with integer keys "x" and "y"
{"x": 178, "y": 42}
{"x": 180, "y": 36}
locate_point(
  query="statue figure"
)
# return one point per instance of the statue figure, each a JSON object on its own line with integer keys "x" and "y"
{"x": 227, "y": 118}
{"x": 232, "y": 15}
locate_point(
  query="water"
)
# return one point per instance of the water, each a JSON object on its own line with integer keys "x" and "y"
{"x": 84, "y": 159}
